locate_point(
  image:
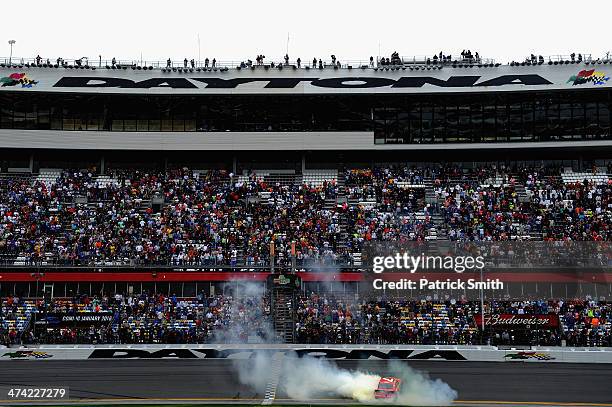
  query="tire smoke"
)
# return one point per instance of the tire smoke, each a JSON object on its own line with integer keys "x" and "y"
{"x": 418, "y": 389}
{"x": 309, "y": 378}
{"x": 248, "y": 321}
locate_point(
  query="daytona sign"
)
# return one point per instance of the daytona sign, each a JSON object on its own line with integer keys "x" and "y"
{"x": 358, "y": 82}
{"x": 300, "y": 81}
{"x": 325, "y": 353}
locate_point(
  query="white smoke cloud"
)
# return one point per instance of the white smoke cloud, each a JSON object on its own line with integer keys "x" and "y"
{"x": 418, "y": 389}
{"x": 255, "y": 325}
{"x": 249, "y": 289}
{"x": 256, "y": 372}
{"x": 310, "y": 378}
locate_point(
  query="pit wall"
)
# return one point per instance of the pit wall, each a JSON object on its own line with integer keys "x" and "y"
{"x": 244, "y": 351}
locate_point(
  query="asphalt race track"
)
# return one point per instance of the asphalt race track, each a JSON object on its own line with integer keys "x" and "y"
{"x": 216, "y": 380}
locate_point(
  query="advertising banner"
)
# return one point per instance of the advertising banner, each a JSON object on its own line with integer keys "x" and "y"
{"x": 84, "y": 319}
{"x": 513, "y": 321}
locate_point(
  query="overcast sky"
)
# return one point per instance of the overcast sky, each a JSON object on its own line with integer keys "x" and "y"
{"x": 352, "y": 30}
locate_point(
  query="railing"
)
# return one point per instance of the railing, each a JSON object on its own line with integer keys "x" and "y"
{"x": 430, "y": 60}
{"x": 52, "y": 263}
{"x": 568, "y": 267}
{"x": 559, "y": 58}
{"x": 305, "y": 63}
{"x": 219, "y": 64}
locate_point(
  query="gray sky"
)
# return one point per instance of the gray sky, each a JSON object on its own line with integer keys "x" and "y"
{"x": 352, "y": 30}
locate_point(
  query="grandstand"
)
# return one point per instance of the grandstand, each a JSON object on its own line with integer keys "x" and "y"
{"x": 180, "y": 184}
{"x": 148, "y": 319}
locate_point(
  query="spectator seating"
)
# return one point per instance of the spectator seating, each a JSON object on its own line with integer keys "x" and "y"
{"x": 316, "y": 178}
{"x": 17, "y": 316}
{"x": 571, "y": 177}
{"x": 321, "y": 319}
{"x": 47, "y": 176}
{"x": 207, "y": 218}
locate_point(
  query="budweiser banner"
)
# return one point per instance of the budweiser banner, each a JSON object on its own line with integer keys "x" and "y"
{"x": 512, "y": 321}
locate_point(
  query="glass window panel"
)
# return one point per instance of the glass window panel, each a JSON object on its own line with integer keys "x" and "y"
{"x": 6, "y": 118}
{"x": 129, "y": 125}
{"x": 567, "y": 128}
{"x": 93, "y": 124}
{"x": 80, "y": 124}
{"x": 56, "y": 124}
{"x": 30, "y": 120}
{"x": 464, "y": 130}
{"x": 540, "y": 121}
{"x": 452, "y": 121}
{"x": 68, "y": 124}
{"x": 502, "y": 123}
{"x": 439, "y": 123}
{"x": 488, "y": 123}
{"x": 552, "y": 118}
{"x": 117, "y": 125}
{"x": 154, "y": 125}
{"x": 515, "y": 119}
{"x": 415, "y": 123}
{"x": 19, "y": 120}
{"x": 143, "y": 125}
{"x": 178, "y": 125}
{"x": 590, "y": 121}
{"x": 43, "y": 117}
{"x": 604, "y": 118}
{"x": 166, "y": 125}
{"x": 528, "y": 120}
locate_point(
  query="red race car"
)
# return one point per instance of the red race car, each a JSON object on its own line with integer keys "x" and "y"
{"x": 388, "y": 388}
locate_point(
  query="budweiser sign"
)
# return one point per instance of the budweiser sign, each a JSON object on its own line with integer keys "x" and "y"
{"x": 512, "y": 321}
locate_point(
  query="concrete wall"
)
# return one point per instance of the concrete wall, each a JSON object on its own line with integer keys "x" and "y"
{"x": 454, "y": 353}
{"x": 244, "y": 141}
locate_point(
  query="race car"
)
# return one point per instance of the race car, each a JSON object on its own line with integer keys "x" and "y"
{"x": 388, "y": 388}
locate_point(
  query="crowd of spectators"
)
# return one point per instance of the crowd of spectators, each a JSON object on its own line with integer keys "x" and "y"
{"x": 387, "y": 199}
{"x": 330, "y": 320}
{"x": 485, "y": 204}
{"x": 571, "y": 211}
{"x": 215, "y": 218}
{"x": 206, "y": 219}
{"x": 144, "y": 318}
{"x": 465, "y": 57}
{"x": 260, "y": 60}
{"x": 155, "y": 318}
{"x": 474, "y": 212}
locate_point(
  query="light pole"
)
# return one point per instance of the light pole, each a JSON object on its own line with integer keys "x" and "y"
{"x": 482, "y": 311}
{"x": 11, "y": 43}
{"x": 38, "y": 275}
